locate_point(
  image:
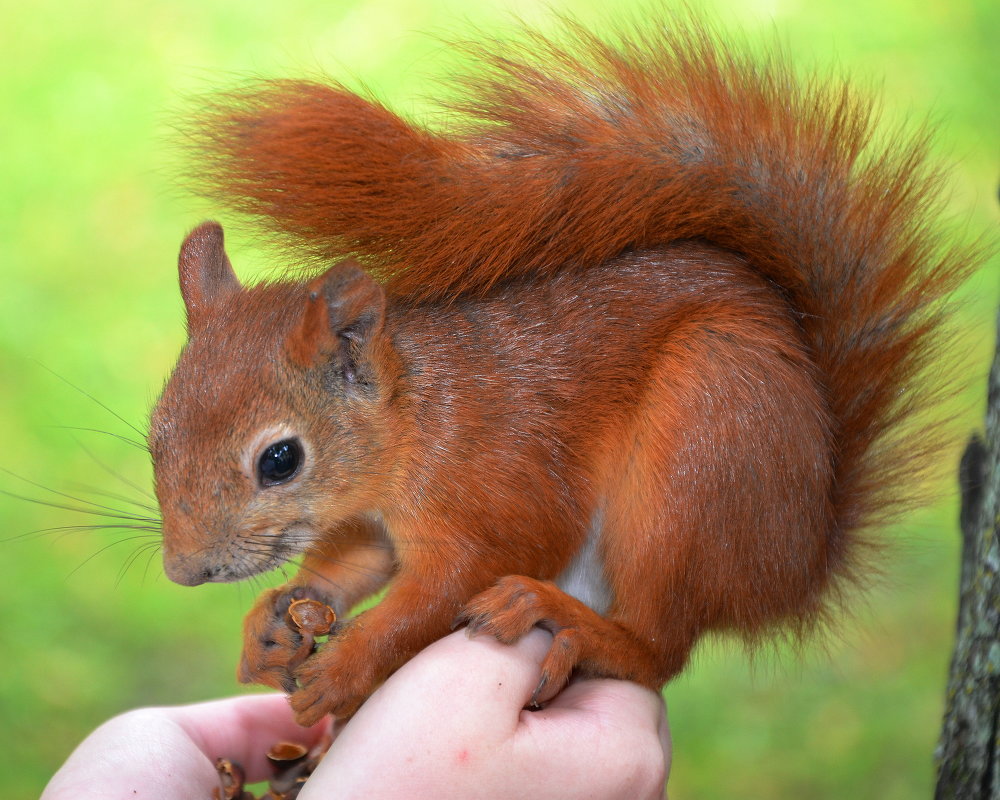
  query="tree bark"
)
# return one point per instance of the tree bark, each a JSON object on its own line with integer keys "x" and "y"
{"x": 967, "y": 755}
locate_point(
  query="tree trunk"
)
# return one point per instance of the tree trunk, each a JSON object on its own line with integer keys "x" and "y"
{"x": 968, "y": 756}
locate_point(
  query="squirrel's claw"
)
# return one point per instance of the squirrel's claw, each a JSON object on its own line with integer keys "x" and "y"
{"x": 329, "y": 684}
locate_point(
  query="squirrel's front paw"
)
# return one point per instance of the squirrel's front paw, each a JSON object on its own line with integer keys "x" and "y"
{"x": 331, "y": 682}
{"x": 516, "y": 604}
{"x": 273, "y": 647}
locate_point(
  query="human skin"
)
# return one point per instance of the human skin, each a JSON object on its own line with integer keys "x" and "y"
{"x": 449, "y": 723}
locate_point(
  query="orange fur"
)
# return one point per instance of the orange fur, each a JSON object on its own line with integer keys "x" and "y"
{"x": 652, "y": 301}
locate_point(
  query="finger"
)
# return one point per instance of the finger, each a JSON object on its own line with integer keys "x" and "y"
{"x": 479, "y": 672}
{"x": 610, "y": 733}
{"x": 441, "y": 722}
{"x": 663, "y": 732}
{"x": 623, "y": 704}
{"x": 139, "y": 755}
{"x": 243, "y": 729}
{"x": 480, "y": 684}
{"x": 613, "y": 698}
{"x": 613, "y": 704}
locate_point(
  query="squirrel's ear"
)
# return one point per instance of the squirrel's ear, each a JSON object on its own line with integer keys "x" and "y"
{"x": 206, "y": 275}
{"x": 344, "y": 311}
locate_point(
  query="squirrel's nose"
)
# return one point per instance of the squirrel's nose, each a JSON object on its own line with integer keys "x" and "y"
{"x": 189, "y": 571}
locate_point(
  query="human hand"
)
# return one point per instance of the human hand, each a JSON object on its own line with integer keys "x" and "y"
{"x": 449, "y": 723}
{"x": 169, "y": 753}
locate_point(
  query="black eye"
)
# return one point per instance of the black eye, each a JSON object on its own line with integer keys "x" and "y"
{"x": 279, "y": 462}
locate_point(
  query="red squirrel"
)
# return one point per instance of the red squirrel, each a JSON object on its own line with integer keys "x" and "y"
{"x": 631, "y": 348}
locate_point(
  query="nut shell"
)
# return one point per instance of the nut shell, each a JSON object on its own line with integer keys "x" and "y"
{"x": 312, "y": 617}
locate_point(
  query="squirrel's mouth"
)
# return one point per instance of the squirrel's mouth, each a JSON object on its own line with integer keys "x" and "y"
{"x": 242, "y": 557}
{"x": 263, "y": 550}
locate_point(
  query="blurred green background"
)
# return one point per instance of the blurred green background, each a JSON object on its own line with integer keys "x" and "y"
{"x": 90, "y": 222}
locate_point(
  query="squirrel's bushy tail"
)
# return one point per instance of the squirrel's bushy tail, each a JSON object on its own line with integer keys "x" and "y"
{"x": 562, "y": 154}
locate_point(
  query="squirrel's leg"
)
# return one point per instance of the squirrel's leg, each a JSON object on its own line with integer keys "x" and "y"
{"x": 583, "y": 641}
{"x": 354, "y": 562}
{"x": 714, "y": 511}
{"x": 642, "y": 533}
{"x": 649, "y": 628}
{"x": 417, "y": 610}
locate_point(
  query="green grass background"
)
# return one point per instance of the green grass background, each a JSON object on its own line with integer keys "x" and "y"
{"x": 90, "y": 222}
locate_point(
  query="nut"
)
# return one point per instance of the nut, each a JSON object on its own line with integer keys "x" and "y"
{"x": 312, "y": 617}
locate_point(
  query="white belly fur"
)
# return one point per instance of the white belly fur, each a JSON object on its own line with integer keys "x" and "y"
{"x": 584, "y": 577}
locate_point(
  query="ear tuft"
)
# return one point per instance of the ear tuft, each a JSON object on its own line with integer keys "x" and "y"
{"x": 206, "y": 276}
{"x": 311, "y": 339}
{"x": 343, "y": 312}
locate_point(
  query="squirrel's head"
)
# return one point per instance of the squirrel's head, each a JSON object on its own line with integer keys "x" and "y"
{"x": 273, "y": 423}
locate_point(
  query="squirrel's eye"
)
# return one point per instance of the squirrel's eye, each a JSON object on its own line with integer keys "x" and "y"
{"x": 279, "y": 462}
